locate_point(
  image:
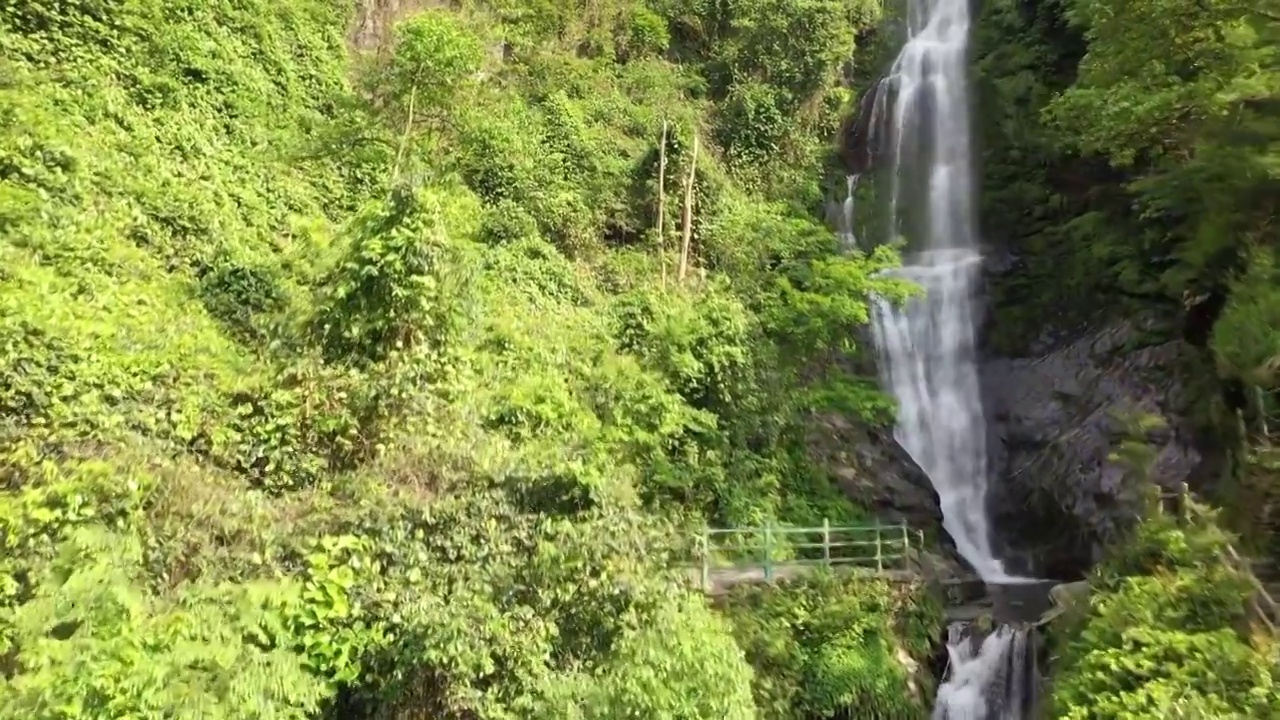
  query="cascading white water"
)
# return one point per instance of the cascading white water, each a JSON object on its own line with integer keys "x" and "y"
{"x": 842, "y": 215}
{"x": 926, "y": 357}
{"x": 927, "y": 345}
{"x": 990, "y": 680}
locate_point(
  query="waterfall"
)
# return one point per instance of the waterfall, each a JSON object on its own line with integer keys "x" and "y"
{"x": 843, "y": 215}
{"x": 927, "y": 348}
{"x": 991, "y": 678}
{"x": 927, "y": 359}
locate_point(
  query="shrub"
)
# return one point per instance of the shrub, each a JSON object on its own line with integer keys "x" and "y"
{"x": 1163, "y": 636}
{"x": 824, "y": 645}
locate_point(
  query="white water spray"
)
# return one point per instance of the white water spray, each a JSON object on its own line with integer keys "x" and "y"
{"x": 927, "y": 346}
{"x": 844, "y": 218}
{"x": 990, "y": 681}
{"x": 927, "y": 349}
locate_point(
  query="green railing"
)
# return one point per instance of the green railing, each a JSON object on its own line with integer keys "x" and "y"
{"x": 771, "y": 548}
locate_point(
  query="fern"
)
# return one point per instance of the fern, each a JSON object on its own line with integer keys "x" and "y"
{"x": 92, "y": 643}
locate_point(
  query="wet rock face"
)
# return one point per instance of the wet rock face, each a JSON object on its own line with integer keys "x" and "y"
{"x": 869, "y": 465}
{"x": 1055, "y": 420}
{"x": 856, "y": 151}
{"x": 1020, "y": 603}
{"x": 874, "y": 471}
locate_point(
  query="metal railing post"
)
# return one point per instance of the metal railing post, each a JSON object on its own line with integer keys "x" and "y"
{"x": 906, "y": 545}
{"x": 826, "y": 541}
{"x": 768, "y": 552}
{"x": 879, "y": 554}
{"x": 705, "y": 541}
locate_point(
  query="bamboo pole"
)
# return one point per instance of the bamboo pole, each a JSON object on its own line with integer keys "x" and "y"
{"x": 687, "y": 219}
{"x": 404, "y": 139}
{"x": 662, "y": 202}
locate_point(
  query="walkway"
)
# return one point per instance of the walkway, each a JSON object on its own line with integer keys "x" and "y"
{"x": 729, "y": 556}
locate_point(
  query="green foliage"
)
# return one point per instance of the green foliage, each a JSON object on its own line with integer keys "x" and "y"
{"x": 1155, "y": 157}
{"x": 1162, "y": 636}
{"x": 808, "y": 311}
{"x": 703, "y": 345}
{"x": 329, "y": 628}
{"x": 402, "y": 289}
{"x": 435, "y": 56}
{"x": 815, "y": 300}
{"x": 772, "y": 66}
{"x": 50, "y": 500}
{"x": 1208, "y": 55}
{"x": 1198, "y": 125}
{"x": 90, "y": 642}
{"x": 1246, "y": 339}
{"x": 826, "y": 645}
{"x": 1131, "y": 162}
{"x": 684, "y": 665}
{"x": 488, "y": 610}
{"x": 372, "y": 372}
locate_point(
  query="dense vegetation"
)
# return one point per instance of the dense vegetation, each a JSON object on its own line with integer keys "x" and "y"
{"x": 371, "y": 382}
{"x": 1166, "y": 634}
{"x": 1133, "y": 167}
{"x": 827, "y": 647}
{"x": 1148, "y": 130}
{"x": 384, "y": 373}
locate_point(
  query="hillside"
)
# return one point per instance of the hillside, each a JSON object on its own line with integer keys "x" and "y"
{"x": 375, "y": 359}
{"x": 1130, "y": 182}
{"x": 362, "y": 362}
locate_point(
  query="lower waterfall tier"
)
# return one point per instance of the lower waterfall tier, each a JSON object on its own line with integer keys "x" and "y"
{"x": 988, "y": 677}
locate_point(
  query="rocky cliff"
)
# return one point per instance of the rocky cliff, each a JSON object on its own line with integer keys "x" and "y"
{"x": 1080, "y": 425}
{"x": 873, "y": 469}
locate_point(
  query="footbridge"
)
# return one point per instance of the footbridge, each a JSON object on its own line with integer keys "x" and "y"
{"x": 727, "y": 557}
{"x": 768, "y": 553}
